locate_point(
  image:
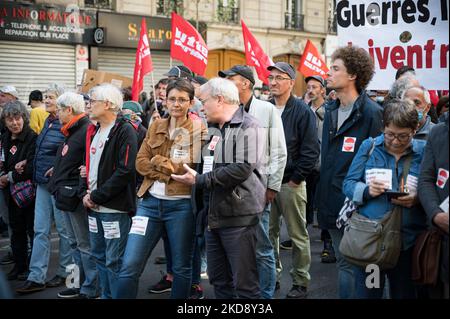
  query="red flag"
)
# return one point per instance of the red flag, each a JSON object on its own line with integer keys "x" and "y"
{"x": 187, "y": 45}
{"x": 311, "y": 62}
{"x": 143, "y": 64}
{"x": 255, "y": 55}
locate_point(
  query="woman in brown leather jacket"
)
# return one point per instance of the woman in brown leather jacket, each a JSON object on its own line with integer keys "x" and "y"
{"x": 166, "y": 204}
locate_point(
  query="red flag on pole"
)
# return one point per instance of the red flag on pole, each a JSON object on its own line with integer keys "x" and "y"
{"x": 187, "y": 45}
{"x": 143, "y": 63}
{"x": 311, "y": 62}
{"x": 255, "y": 55}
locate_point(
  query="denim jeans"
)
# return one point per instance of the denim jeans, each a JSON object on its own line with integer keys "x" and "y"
{"x": 401, "y": 285}
{"x": 265, "y": 259}
{"x": 45, "y": 212}
{"x": 346, "y": 280}
{"x": 198, "y": 259}
{"x": 177, "y": 218}
{"x": 78, "y": 230}
{"x": 108, "y": 252}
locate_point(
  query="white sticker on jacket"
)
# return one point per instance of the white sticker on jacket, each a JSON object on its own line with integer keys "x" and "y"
{"x": 349, "y": 144}
{"x": 180, "y": 154}
{"x": 411, "y": 183}
{"x": 93, "y": 224}
{"x": 111, "y": 229}
{"x": 139, "y": 226}
{"x": 442, "y": 178}
{"x": 208, "y": 163}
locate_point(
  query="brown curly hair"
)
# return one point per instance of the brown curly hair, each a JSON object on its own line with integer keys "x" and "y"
{"x": 358, "y": 62}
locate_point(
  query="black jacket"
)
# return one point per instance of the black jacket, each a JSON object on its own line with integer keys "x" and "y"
{"x": 236, "y": 185}
{"x": 365, "y": 120}
{"x": 116, "y": 181}
{"x": 302, "y": 140}
{"x": 69, "y": 157}
{"x": 432, "y": 189}
{"x": 15, "y": 151}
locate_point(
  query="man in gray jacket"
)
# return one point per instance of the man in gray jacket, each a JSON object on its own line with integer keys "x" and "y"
{"x": 275, "y": 157}
{"x": 232, "y": 175}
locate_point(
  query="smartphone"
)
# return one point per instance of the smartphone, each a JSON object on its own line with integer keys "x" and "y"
{"x": 393, "y": 194}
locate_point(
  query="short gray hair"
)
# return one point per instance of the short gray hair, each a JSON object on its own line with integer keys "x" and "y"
{"x": 400, "y": 86}
{"x": 58, "y": 89}
{"x": 223, "y": 87}
{"x": 14, "y": 108}
{"x": 426, "y": 94}
{"x": 110, "y": 93}
{"x": 73, "y": 100}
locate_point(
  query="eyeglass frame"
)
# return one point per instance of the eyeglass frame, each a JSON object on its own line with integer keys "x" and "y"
{"x": 399, "y": 137}
{"x": 277, "y": 78}
{"x": 180, "y": 101}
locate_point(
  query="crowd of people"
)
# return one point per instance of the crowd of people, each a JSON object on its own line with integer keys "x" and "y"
{"x": 214, "y": 171}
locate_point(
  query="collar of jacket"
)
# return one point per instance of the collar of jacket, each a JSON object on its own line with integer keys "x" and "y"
{"x": 238, "y": 118}
{"x": 289, "y": 102}
{"x": 162, "y": 125}
{"x": 73, "y": 124}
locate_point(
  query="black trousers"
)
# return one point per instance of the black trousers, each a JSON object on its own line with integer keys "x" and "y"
{"x": 311, "y": 185}
{"x": 231, "y": 255}
{"x": 21, "y": 221}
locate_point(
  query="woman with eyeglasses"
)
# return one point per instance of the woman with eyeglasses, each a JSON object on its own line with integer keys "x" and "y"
{"x": 376, "y": 170}
{"x": 166, "y": 204}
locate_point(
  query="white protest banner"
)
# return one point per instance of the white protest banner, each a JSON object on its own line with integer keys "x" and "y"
{"x": 397, "y": 33}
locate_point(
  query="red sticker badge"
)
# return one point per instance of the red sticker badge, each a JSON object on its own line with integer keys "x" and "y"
{"x": 349, "y": 144}
{"x": 214, "y": 141}
{"x": 13, "y": 150}
{"x": 93, "y": 150}
{"x": 442, "y": 178}
{"x": 64, "y": 150}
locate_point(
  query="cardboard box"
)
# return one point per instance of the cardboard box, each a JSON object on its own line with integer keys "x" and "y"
{"x": 92, "y": 78}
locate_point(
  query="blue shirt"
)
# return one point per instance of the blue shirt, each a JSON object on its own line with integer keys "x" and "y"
{"x": 413, "y": 219}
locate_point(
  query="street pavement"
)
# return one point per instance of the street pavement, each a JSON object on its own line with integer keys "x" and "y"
{"x": 323, "y": 283}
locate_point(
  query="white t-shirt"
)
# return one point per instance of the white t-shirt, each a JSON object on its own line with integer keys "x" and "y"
{"x": 158, "y": 190}
{"x": 95, "y": 154}
{"x": 280, "y": 109}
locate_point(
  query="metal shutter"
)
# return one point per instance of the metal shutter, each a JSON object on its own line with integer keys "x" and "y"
{"x": 33, "y": 66}
{"x": 121, "y": 61}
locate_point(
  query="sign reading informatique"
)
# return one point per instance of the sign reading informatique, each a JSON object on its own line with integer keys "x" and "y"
{"x": 122, "y": 31}
{"x": 398, "y": 33}
{"x": 46, "y": 23}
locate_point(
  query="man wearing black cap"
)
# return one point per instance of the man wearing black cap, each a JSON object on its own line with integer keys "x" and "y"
{"x": 179, "y": 71}
{"x": 276, "y": 154}
{"x": 302, "y": 155}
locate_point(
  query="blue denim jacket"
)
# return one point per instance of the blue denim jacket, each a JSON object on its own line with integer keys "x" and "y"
{"x": 354, "y": 186}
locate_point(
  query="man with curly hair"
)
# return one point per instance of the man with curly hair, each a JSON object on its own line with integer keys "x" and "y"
{"x": 348, "y": 121}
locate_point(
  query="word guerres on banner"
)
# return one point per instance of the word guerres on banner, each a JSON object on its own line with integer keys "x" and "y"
{"x": 255, "y": 55}
{"x": 143, "y": 63}
{"x": 398, "y": 33}
{"x": 311, "y": 62}
{"x": 188, "y": 46}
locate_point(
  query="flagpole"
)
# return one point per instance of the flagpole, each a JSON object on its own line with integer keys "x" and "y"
{"x": 170, "y": 62}
{"x": 154, "y": 92}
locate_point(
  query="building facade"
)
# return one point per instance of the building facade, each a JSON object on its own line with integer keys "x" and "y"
{"x": 282, "y": 27}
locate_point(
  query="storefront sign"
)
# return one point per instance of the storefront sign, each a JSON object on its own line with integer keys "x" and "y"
{"x": 46, "y": 23}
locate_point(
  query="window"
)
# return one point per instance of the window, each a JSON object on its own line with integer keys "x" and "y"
{"x": 99, "y": 4}
{"x": 293, "y": 19}
{"x": 166, "y": 7}
{"x": 228, "y": 11}
{"x": 332, "y": 20}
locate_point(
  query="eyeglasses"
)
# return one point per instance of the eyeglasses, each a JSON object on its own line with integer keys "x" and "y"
{"x": 95, "y": 101}
{"x": 180, "y": 100}
{"x": 277, "y": 78}
{"x": 401, "y": 137}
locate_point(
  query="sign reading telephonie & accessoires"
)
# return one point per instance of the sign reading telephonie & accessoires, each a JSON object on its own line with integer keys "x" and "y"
{"x": 46, "y": 23}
